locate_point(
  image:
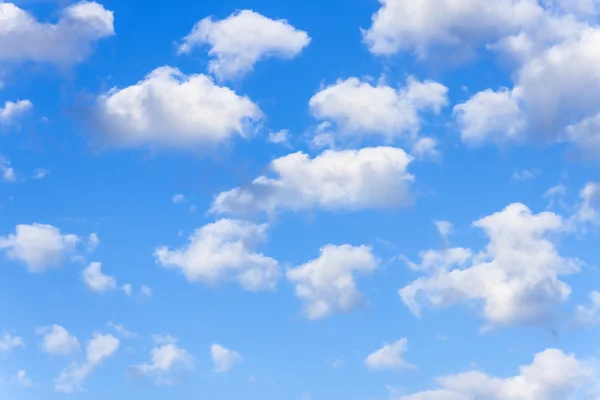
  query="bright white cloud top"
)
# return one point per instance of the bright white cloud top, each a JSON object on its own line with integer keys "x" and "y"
{"x": 173, "y": 110}
{"x": 390, "y": 357}
{"x": 57, "y": 340}
{"x": 12, "y": 111}
{"x": 333, "y": 180}
{"x": 241, "y": 40}
{"x": 69, "y": 41}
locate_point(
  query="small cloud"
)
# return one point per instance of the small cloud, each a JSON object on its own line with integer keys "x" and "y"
{"x": 40, "y": 173}
{"x": 6, "y": 171}
{"x": 93, "y": 242}
{"x": 127, "y": 289}
{"x": 334, "y": 363}
{"x": 282, "y": 137}
{"x": 96, "y": 280}
{"x": 426, "y": 149}
{"x": 146, "y": 291}
{"x": 178, "y": 199}
{"x": 121, "y": 330}
{"x": 526, "y": 174}
{"x": 389, "y": 357}
{"x": 224, "y": 359}
{"x": 21, "y": 379}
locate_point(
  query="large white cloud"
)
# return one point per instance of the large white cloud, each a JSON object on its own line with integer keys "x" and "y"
{"x": 168, "y": 362}
{"x": 224, "y": 359}
{"x": 360, "y": 109}
{"x": 170, "y": 109}
{"x": 39, "y": 246}
{"x": 242, "y": 39}
{"x": 515, "y": 277}
{"x": 389, "y": 357}
{"x": 224, "y": 251}
{"x": 57, "y": 340}
{"x": 98, "y": 349}
{"x": 553, "y": 375}
{"x": 327, "y": 284}
{"x": 24, "y": 38}
{"x": 334, "y": 180}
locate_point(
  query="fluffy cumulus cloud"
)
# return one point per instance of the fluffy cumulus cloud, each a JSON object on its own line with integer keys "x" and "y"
{"x": 389, "y": 357}
{"x": 97, "y": 350}
{"x": 39, "y": 246}
{"x": 334, "y": 180}
{"x": 96, "y": 280}
{"x": 170, "y": 109}
{"x": 360, "y": 109}
{"x": 553, "y": 375}
{"x": 224, "y": 359}
{"x": 9, "y": 342}
{"x": 224, "y": 251}
{"x": 242, "y": 39}
{"x": 12, "y": 111}
{"x": 327, "y": 284}
{"x": 57, "y": 340}
{"x": 515, "y": 277}
{"x": 169, "y": 362}
{"x": 24, "y": 38}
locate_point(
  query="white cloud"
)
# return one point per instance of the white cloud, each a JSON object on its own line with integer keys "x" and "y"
{"x": 224, "y": 359}
{"x": 243, "y": 39}
{"x": 280, "y": 137}
{"x": 168, "y": 362}
{"x": 589, "y": 314}
{"x": 127, "y": 289}
{"x": 146, "y": 291}
{"x": 224, "y": 251}
{"x": 69, "y": 41}
{"x": 40, "y": 173}
{"x": 9, "y": 342}
{"x": 98, "y": 349}
{"x": 491, "y": 116}
{"x": 426, "y": 148}
{"x": 178, "y": 198}
{"x": 170, "y": 109}
{"x": 589, "y": 208}
{"x": 389, "y": 357}
{"x": 444, "y": 228}
{"x": 96, "y": 280}
{"x": 22, "y": 379}
{"x": 327, "y": 285}
{"x": 427, "y": 26}
{"x": 39, "y": 246}
{"x": 12, "y": 111}
{"x": 555, "y": 194}
{"x": 524, "y": 175}
{"x": 374, "y": 177}
{"x": 515, "y": 278}
{"x": 553, "y": 375}
{"x": 57, "y": 340}
{"x": 121, "y": 330}
{"x": 6, "y": 171}
{"x": 93, "y": 241}
{"x": 359, "y": 110}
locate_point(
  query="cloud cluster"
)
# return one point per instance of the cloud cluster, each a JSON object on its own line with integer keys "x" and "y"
{"x": 243, "y": 39}
{"x": 515, "y": 277}
{"x": 98, "y": 349}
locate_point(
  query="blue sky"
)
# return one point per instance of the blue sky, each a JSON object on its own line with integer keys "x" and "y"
{"x": 353, "y": 200}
